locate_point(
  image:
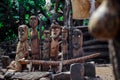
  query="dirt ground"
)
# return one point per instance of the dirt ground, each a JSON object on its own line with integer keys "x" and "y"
{"x": 105, "y": 71}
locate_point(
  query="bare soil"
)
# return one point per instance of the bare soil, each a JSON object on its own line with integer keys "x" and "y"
{"x": 105, "y": 71}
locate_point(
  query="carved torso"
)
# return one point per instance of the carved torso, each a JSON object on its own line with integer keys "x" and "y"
{"x": 22, "y": 50}
{"x": 34, "y": 42}
{"x": 54, "y": 48}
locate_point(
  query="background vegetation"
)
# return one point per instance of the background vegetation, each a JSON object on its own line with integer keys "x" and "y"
{"x": 16, "y": 12}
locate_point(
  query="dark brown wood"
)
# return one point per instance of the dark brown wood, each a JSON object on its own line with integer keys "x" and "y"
{"x": 77, "y": 71}
{"x": 77, "y": 42}
{"x": 55, "y": 31}
{"x": 64, "y": 45}
{"x": 54, "y": 46}
{"x": 35, "y": 49}
{"x": 70, "y": 61}
{"x": 46, "y": 49}
{"x": 46, "y": 45}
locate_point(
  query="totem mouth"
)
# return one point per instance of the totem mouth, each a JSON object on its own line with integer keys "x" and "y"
{"x": 76, "y": 46}
{"x": 54, "y": 35}
{"x": 21, "y": 36}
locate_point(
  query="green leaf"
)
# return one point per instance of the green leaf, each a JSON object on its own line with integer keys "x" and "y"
{"x": 1, "y": 25}
{"x": 43, "y": 37}
{"x": 27, "y": 16}
{"x": 86, "y": 21}
{"x": 43, "y": 28}
{"x": 60, "y": 18}
{"x": 44, "y": 18}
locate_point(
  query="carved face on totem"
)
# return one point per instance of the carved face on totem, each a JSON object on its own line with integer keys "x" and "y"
{"x": 47, "y": 35}
{"x": 64, "y": 33}
{"x": 23, "y": 33}
{"x": 55, "y": 31}
{"x": 33, "y": 21}
{"x": 77, "y": 39}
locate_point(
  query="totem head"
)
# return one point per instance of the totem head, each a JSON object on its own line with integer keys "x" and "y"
{"x": 23, "y": 33}
{"x": 55, "y": 30}
{"x": 33, "y": 21}
{"x": 64, "y": 33}
{"x": 47, "y": 35}
{"x": 77, "y": 38}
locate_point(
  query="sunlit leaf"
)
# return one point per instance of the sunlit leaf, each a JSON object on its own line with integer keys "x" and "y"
{"x": 1, "y": 25}
{"x": 43, "y": 28}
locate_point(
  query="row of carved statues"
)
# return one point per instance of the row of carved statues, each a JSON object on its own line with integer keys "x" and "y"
{"x": 55, "y": 45}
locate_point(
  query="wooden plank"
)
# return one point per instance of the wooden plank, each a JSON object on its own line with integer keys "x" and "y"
{"x": 29, "y": 75}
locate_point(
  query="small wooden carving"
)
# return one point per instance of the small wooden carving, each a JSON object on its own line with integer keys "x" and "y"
{"x": 34, "y": 38}
{"x": 22, "y": 48}
{"x": 46, "y": 49}
{"x": 55, "y": 32}
{"x": 64, "y": 45}
{"x": 46, "y": 45}
{"x": 54, "y": 46}
{"x": 77, "y": 41}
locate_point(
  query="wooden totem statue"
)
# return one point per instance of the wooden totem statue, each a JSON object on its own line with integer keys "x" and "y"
{"x": 46, "y": 49}
{"x": 64, "y": 45}
{"x": 34, "y": 38}
{"x": 22, "y": 51}
{"x": 77, "y": 41}
{"x": 55, "y": 32}
{"x": 54, "y": 46}
{"x": 46, "y": 45}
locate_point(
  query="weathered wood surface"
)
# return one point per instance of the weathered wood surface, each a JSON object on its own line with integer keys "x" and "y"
{"x": 62, "y": 76}
{"x": 81, "y": 9}
{"x": 70, "y": 61}
{"x": 29, "y": 75}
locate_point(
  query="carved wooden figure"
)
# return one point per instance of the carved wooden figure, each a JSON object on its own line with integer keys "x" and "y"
{"x": 34, "y": 38}
{"x": 64, "y": 45}
{"x": 54, "y": 46}
{"x": 46, "y": 49}
{"x": 55, "y": 32}
{"x": 46, "y": 45}
{"x": 77, "y": 41}
{"x": 22, "y": 50}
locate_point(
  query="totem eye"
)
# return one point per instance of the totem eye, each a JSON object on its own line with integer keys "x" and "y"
{"x": 79, "y": 36}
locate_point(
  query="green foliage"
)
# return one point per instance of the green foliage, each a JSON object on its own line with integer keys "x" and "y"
{"x": 60, "y": 18}
{"x": 14, "y": 12}
{"x": 86, "y": 21}
{"x": 1, "y": 25}
{"x": 43, "y": 28}
{"x": 27, "y": 16}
